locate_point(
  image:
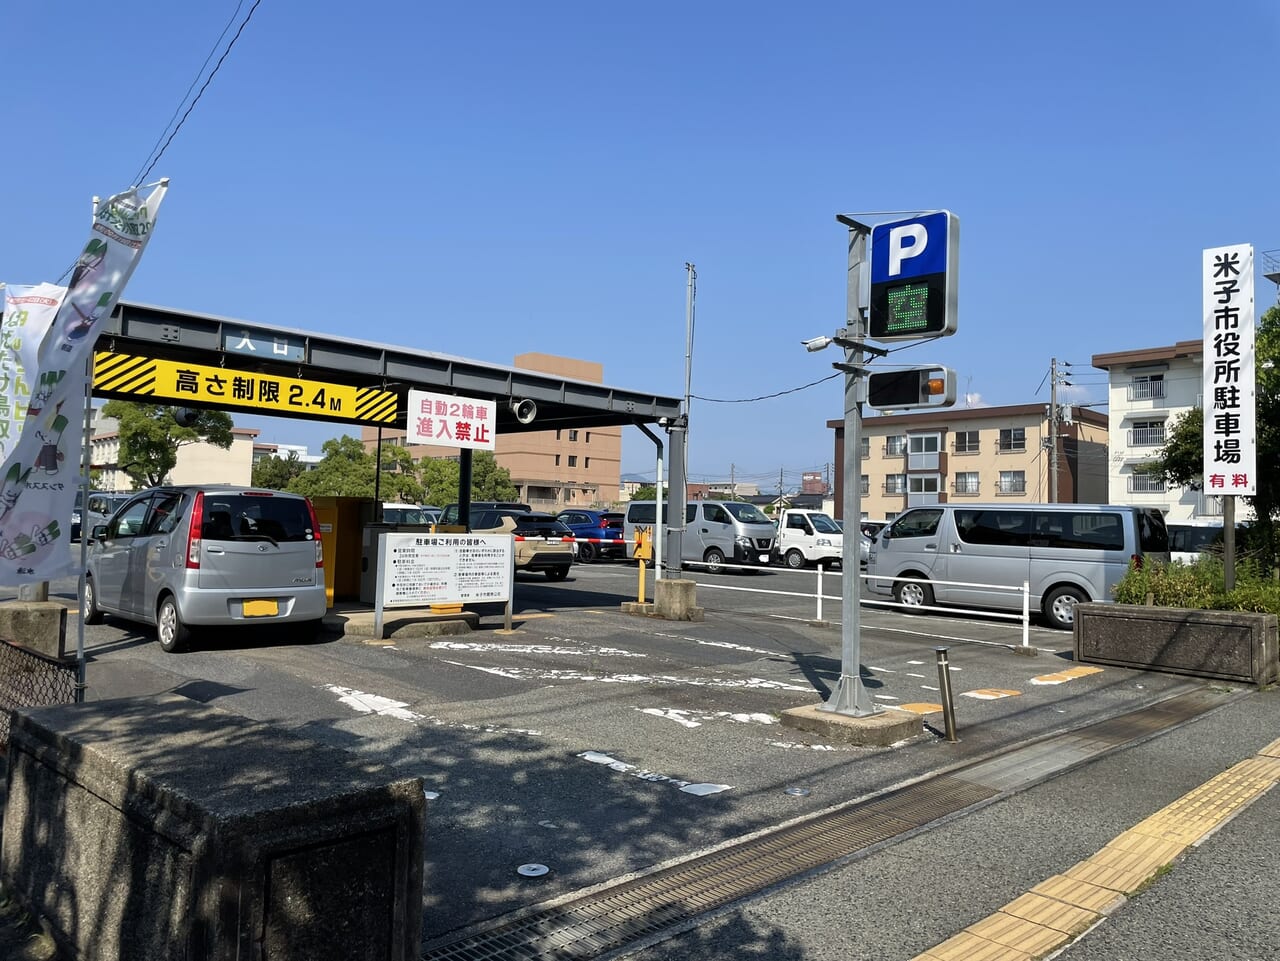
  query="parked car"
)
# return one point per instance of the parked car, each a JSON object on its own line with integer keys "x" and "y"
{"x": 100, "y": 506}
{"x": 432, "y": 514}
{"x": 542, "y": 543}
{"x": 592, "y": 532}
{"x": 185, "y": 558}
{"x": 450, "y": 514}
{"x": 404, "y": 514}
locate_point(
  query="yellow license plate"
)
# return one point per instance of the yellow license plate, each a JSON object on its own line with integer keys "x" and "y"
{"x": 261, "y": 608}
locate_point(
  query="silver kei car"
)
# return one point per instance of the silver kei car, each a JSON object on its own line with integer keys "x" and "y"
{"x": 185, "y": 558}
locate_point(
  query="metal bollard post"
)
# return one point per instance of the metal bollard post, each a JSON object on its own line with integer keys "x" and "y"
{"x": 819, "y": 614}
{"x": 944, "y": 689}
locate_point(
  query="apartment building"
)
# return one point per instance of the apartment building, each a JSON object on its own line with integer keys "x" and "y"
{"x": 552, "y": 469}
{"x": 1149, "y": 390}
{"x": 981, "y": 454}
{"x": 198, "y": 463}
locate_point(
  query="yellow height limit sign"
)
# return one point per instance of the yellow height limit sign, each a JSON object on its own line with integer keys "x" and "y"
{"x": 643, "y": 552}
{"x": 222, "y": 387}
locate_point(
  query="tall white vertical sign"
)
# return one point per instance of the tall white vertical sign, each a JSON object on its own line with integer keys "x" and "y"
{"x": 1230, "y": 427}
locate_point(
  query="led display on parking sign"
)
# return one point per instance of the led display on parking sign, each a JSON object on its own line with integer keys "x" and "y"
{"x": 914, "y": 270}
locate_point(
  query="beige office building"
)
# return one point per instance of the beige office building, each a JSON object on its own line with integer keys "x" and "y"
{"x": 978, "y": 454}
{"x": 198, "y": 462}
{"x": 552, "y": 469}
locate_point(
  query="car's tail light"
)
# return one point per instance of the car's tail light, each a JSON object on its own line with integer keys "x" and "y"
{"x": 315, "y": 530}
{"x": 193, "y": 531}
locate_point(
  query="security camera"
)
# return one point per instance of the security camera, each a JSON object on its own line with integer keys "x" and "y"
{"x": 664, "y": 421}
{"x": 814, "y": 344}
{"x": 185, "y": 416}
{"x": 525, "y": 410}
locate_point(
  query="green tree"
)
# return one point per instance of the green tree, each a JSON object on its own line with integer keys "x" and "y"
{"x": 150, "y": 438}
{"x": 489, "y": 481}
{"x": 1181, "y": 460}
{"x": 399, "y": 482}
{"x": 345, "y": 470}
{"x": 439, "y": 477}
{"x": 650, "y": 492}
{"x": 277, "y": 473}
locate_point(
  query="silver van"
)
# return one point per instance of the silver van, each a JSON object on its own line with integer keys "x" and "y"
{"x": 184, "y": 558}
{"x": 1066, "y": 553}
{"x": 716, "y": 532}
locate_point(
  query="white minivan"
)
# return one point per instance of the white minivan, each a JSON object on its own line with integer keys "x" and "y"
{"x": 716, "y": 532}
{"x": 960, "y": 554}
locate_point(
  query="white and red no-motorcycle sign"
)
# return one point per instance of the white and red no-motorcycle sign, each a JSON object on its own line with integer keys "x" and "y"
{"x": 448, "y": 421}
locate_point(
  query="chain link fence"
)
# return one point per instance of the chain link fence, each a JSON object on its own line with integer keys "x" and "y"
{"x": 28, "y": 679}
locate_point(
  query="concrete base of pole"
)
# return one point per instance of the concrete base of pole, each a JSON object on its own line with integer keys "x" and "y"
{"x": 882, "y": 729}
{"x": 1025, "y": 651}
{"x": 673, "y": 600}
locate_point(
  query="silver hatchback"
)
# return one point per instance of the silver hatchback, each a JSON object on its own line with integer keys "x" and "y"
{"x": 208, "y": 556}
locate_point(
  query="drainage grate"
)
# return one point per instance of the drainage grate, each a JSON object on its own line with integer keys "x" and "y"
{"x": 607, "y": 920}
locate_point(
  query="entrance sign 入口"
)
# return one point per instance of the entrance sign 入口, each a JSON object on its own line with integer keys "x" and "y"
{"x": 914, "y": 276}
{"x": 447, "y": 421}
{"x": 419, "y": 570}
{"x": 1230, "y": 427}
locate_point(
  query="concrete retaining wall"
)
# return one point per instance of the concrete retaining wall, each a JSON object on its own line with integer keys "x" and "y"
{"x": 158, "y": 827}
{"x": 1225, "y": 645}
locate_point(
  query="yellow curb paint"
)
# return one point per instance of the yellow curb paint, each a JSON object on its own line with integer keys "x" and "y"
{"x": 990, "y": 694}
{"x": 919, "y": 708}
{"x": 1061, "y": 908}
{"x": 1061, "y": 677}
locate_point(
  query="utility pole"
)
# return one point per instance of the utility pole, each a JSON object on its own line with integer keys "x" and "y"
{"x": 733, "y": 484}
{"x": 1053, "y": 430}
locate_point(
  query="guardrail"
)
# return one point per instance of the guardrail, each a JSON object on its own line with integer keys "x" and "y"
{"x": 31, "y": 679}
{"x": 1024, "y": 589}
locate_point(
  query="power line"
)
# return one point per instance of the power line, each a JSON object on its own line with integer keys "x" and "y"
{"x": 781, "y": 393}
{"x": 205, "y": 86}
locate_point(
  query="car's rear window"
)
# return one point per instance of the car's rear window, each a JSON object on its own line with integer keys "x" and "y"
{"x": 229, "y": 516}
{"x": 530, "y": 526}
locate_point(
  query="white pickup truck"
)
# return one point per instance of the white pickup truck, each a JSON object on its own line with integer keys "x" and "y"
{"x": 808, "y": 537}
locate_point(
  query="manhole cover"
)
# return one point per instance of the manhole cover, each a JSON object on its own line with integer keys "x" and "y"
{"x": 532, "y": 870}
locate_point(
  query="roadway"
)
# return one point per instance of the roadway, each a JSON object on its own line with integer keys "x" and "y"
{"x": 571, "y": 741}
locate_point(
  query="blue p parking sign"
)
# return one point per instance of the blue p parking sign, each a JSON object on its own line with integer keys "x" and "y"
{"x": 914, "y": 270}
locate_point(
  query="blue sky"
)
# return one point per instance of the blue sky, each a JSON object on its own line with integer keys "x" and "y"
{"x": 489, "y": 179}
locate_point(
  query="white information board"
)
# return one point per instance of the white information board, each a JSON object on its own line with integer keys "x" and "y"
{"x": 421, "y": 569}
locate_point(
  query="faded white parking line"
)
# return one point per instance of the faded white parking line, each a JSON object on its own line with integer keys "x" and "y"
{"x": 373, "y": 703}
{"x": 701, "y": 789}
{"x": 583, "y": 651}
{"x": 531, "y": 674}
{"x": 693, "y": 719}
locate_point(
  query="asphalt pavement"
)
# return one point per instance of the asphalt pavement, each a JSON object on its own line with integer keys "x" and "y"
{"x": 605, "y": 745}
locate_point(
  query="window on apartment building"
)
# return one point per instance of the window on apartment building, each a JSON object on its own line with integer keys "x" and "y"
{"x": 895, "y": 483}
{"x": 922, "y": 451}
{"x": 586, "y": 462}
{"x": 895, "y": 445}
{"x": 557, "y": 435}
{"x": 1013, "y": 438}
{"x": 1145, "y": 484}
{"x": 865, "y": 484}
{"x": 1012, "y": 481}
{"x": 557, "y": 460}
{"x": 1146, "y": 387}
{"x": 573, "y": 435}
{"x": 587, "y": 439}
{"x": 966, "y": 441}
{"x": 923, "y": 489}
{"x": 965, "y": 482}
{"x": 866, "y": 447}
{"x": 573, "y": 460}
{"x": 1148, "y": 433}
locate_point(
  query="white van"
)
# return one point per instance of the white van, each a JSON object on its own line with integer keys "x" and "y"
{"x": 808, "y": 537}
{"x": 1066, "y": 553}
{"x": 409, "y": 514}
{"x": 1189, "y": 538}
{"x": 716, "y": 532}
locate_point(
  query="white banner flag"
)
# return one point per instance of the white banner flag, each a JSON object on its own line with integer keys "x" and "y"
{"x": 40, "y": 473}
{"x": 1230, "y": 427}
{"x": 28, "y": 314}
